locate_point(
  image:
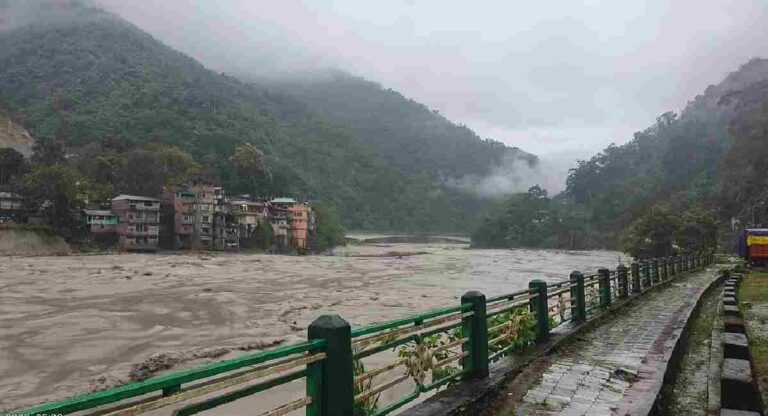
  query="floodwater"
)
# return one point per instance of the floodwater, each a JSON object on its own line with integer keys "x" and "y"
{"x": 75, "y": 324}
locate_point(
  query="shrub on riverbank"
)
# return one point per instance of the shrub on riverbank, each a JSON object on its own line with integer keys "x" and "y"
{"x": 26, "y": 240}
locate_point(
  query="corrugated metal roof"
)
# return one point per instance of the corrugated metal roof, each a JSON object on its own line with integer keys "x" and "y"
{"x": 283, "y": 201}
{"x": 134, "y": 198}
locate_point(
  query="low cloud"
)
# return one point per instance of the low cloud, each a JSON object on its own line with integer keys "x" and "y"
{"x": 513, "y": 175}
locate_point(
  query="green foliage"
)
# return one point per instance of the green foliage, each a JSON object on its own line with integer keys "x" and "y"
{"x": 410, "y": 350}
{"x": 371, "y": 405}
{"x": 661, "y": 232}
{"x": 94, "y": 79}
{"x": 522, "y": 222}
{"x": 11, "y": 164}
{"x": 526, "y": 329}
{"x": 330, "y": 232}
{"x": 262, "y": 237}
{"x": 712, "y": 156}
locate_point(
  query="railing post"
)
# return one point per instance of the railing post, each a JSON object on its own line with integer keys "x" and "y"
{"x": 655, "y": 278}
{"x": 334, "y": 376}
{"x": 621, "y": 273}
{"x": 604, "y": 282}
{"x": 578, "y": 298}
{"x": 636, "y": 277}
{"x": 475, "y": 327}
{"x": 540, "y": 307}
{"x": 647, "y": 274}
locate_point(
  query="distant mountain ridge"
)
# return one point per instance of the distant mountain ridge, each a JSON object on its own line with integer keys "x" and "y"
{"x": 409, "y": 134}
{"x": 78, "y": 74}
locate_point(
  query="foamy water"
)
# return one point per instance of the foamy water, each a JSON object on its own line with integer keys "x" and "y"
{"x": 77, "y": 323}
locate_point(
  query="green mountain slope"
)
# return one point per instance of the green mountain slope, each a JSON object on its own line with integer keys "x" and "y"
{"x": 410, "y": 135}
{"x": 77, "y": 75}
{"x": 705, "y": 166}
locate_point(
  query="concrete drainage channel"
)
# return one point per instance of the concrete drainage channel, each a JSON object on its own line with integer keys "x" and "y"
{"x": 739, "y": 393}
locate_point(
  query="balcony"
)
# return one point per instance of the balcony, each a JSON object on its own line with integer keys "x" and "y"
{"x": 141, "y": 207}
{"x": 144, "y": 220}
{"x": 143, "y": 233}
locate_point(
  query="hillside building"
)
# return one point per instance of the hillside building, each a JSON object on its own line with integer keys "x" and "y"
{"x": 188, "y": 211}
{"x": 138, "y": 222}
{"x": 302, "y": 222}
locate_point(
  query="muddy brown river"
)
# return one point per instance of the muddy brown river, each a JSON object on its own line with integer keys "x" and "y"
{"x": 74, "y": 324}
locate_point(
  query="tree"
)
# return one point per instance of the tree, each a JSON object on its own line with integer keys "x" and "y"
{"x": 11, "y": 164}
{"x": 653, "y": 234}
{"x": 249, "y": 160}
{"x": 697, "y": 231}
{"x": 329, "y": 233}
{"x": 175, "y": 164}
{"x": 60, "y": 189}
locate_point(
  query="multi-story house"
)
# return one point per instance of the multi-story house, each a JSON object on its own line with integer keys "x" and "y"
{"x": 189, "y": 215}
{"x": 100, "y": 221}
{"x": 247, "y": 214}
{"x": 138, "y": 221}
{"x": 302, "y": 223}
{"x": 280, "y": 220}
{"x": 225, "y": 229}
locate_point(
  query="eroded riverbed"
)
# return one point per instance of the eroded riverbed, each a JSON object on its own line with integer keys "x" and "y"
{"x": 74, "y": 324}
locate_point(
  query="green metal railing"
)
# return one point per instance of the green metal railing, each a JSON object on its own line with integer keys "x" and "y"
{"x": 424, "y": 352}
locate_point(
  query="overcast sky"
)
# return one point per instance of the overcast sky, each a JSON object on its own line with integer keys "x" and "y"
{"x": 561, "y": 79}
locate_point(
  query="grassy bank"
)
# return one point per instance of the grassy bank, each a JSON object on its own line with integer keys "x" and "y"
{"x": 23, "y": 240}
{"x": 753, "y": 294}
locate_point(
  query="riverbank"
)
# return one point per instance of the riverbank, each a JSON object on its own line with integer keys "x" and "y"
{"x": 18, "y": 240}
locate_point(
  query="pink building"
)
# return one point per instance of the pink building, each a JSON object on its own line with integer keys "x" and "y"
{"x": 138, "y": 225}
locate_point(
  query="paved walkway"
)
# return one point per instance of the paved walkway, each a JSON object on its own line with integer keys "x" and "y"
{"x": 616, "y": 368}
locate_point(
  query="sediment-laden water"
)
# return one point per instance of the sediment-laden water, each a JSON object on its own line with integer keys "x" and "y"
{"x": 74, "y": 324}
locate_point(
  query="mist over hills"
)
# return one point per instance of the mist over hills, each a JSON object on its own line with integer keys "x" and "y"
{"x": 74, "y": 74}
{"x": 710, "y": 161}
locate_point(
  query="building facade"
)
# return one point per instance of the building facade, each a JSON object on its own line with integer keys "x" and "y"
{"x": 101, "y": 221}
{"x": 302, "y": 223}
{"x": 189, "y": 211}
{"x": 138, "y": 225}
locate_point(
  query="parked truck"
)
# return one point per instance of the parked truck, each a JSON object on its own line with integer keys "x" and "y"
{"x": 753, "y": 245}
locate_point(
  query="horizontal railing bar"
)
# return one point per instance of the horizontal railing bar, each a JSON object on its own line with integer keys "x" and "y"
{"x": 450, "y": 345}
{"x": 451, "y": 359}
{"x": 558, "y": 292}
{"x": 401, "y": 341}
{"x": 150, "y": 385}
{"x": 510, "y": 296}
{"x": 400, "y": 403}
{"x": 442, "y": 381}
{"x": 238, "y": 394}
{"x": 215, "y": 385}
{"x": 362, "y": 343}
{"x": 506, "y": 309}
{"x": 405, "y": 321}
{"x": 376, "y": 372}
{"x": 381, "y": 387}
{"x": 289, "y": 407}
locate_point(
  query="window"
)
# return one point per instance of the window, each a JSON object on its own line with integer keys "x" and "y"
{"x": 206, "y": 218}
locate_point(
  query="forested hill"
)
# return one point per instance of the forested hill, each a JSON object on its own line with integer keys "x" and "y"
{"x": 114, "y": 97}
{"x": 409, "y": 134}
{"x": 708, "y": 162}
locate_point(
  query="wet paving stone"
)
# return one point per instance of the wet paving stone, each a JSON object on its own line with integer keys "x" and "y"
{"x": 617, "y": 362}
